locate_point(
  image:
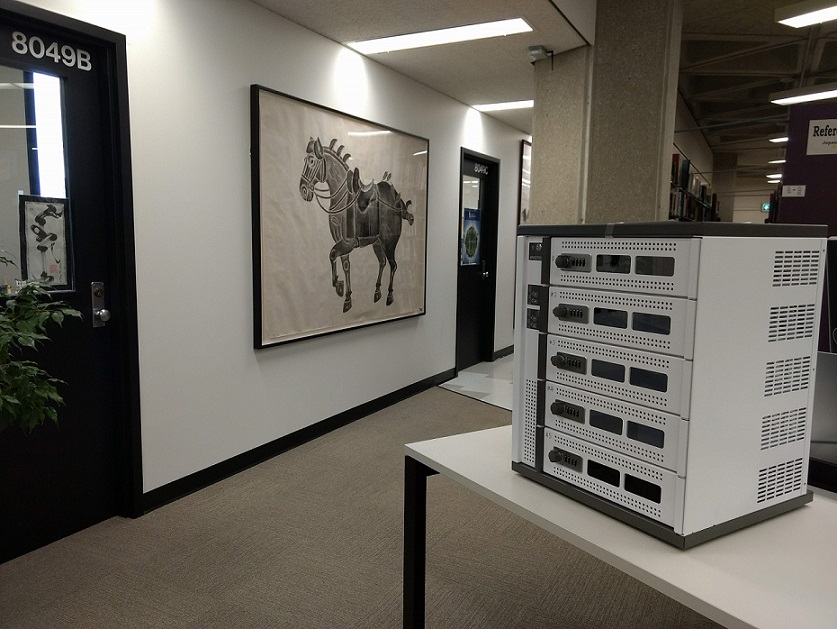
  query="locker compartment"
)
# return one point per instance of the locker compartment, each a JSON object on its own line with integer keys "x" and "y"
{"x": 641, "y": 265}
{"x": 654, "y": 380}
{"x": 644, "y": 488}
{"x": 651, "y": 323}
{"x": 647, "y": 434}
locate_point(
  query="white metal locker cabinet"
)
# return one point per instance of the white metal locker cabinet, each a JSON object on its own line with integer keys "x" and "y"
{"x": 664, "y": 371}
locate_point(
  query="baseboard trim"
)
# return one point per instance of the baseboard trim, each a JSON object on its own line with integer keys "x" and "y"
{"x": 174, "y": 490}
{"x": 500, "y": 353}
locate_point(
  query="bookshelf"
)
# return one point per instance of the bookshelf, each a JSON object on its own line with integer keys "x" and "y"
{"x": 691, "y": 197}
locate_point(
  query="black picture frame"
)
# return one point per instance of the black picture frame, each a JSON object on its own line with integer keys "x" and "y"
{"x": 46, "y": 254}
{"x": 335, "y": 200}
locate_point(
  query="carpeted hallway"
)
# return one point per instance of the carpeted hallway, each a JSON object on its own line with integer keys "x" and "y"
{"x": 312, "y": 538}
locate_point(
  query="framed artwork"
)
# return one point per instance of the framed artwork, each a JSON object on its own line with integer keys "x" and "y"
{"x": 45, "y": 254}
{"x": 339, "y": 220}
{"x": 525, "y": 181}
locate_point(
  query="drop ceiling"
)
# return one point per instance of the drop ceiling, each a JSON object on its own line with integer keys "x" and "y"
{"x": 474, "y": 73}
{"x": 733, "y": 56}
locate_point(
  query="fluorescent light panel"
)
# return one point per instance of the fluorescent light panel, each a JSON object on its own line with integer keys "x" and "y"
{"x": 778, "y": 140}
{"x": 805, "y": 94}
{"x": 776, "y": 161}
{"x": 443, "y": 36}
{"x": 806, "y": 13}
{"x": 518, "y": 104}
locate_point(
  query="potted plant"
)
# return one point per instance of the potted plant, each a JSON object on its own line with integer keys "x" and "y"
{"x": 28, "y": 395}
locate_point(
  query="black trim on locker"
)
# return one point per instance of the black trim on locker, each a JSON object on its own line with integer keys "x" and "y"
{"x": 542, "y": 357}
{"x": 677, "y": 230}
{"x": 539, "y": 440}
{"x": 540, "y": 408}
{"x": 546, "y": 261}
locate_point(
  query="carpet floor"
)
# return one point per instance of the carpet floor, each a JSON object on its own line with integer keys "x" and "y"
{"x": 313, "y": 538}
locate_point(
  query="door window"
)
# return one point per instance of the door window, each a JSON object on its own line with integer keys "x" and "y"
{"x": 34, "y": 209}
{"x": 470, "y": 226}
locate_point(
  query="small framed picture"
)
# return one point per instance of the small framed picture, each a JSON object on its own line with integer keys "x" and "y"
{"x": 45, "y": 254}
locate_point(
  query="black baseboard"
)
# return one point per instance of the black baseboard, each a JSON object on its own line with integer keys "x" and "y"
{"x": 204, "y": 478}
{"x": 500, "y": 353}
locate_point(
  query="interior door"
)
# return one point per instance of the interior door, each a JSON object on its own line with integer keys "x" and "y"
{"x": 477, "y": 260}
{"x": 59, "y": 191}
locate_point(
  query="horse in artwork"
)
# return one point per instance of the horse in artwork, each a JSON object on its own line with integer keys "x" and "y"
{"x": 359, "y": 214}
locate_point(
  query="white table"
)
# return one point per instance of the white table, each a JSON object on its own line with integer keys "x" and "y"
{"x": 779, "y": 573}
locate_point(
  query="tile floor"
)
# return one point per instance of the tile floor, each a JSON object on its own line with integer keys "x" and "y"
{"x": 489, "y": 382}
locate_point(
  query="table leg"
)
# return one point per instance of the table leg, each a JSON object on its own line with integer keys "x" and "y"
{"x": 415, "y": 540}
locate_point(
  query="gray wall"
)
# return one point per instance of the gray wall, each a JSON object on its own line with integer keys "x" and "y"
{"x": 616, "y": 142}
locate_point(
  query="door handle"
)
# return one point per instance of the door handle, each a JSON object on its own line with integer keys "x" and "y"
{"x": 101, "y": 315}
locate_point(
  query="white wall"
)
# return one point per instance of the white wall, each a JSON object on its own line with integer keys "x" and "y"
{"x": 206, "y": 395}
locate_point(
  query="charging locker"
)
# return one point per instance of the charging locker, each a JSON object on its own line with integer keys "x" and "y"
{"x": 664, "y": 371}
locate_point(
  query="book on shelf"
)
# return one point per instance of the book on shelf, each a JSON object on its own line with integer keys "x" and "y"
{"x": 691, "y": 194}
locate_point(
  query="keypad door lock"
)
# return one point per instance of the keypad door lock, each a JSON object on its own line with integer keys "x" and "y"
{"x": 101, "y": 315}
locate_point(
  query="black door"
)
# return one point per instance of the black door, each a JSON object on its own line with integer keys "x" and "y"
{"x": 478, "y": 209}
{"x": 64, "y": 202}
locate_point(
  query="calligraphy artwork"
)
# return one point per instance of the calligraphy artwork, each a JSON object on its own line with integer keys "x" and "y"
{"x": 44, "y": 242}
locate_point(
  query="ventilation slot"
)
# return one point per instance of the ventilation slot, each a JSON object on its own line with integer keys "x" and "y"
{"x": 791, "y": 322}
{"x": 784, "y": 376}
{"x": 530, "y": 421}
{"x": 795, "y": 268}
{"x": 781, "y": 428}
{"x": 779, "y": 480}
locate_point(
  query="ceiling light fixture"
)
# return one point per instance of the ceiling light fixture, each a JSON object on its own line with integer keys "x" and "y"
{"x": 805, "y": 94}
{"x": 806, "y": 13}
{"x": 443, "y": 36}
{"x": 778, "y": 140}
{"x": 518, "y": 104}
{"x": 776, "y": 161}
{"x": 776, "y": 176}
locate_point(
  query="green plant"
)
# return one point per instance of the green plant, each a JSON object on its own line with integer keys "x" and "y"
{"x": 28, "y": 394}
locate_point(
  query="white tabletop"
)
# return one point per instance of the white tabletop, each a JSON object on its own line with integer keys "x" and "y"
{"x": 779, "y": 573}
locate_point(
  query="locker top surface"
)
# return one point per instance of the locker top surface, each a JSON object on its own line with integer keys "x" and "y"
{"x": 675, "y": 229}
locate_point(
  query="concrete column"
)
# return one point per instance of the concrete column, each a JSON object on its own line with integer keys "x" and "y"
{"x": 723, "y": 183}
{"x": 604, "y": 117}
{"x": 559, "y": 126}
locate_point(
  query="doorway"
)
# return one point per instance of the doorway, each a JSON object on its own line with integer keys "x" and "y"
{"x": 477, "y": 259}
{"x": 66, "y": 221}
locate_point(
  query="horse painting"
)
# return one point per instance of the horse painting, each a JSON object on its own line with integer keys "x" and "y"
{"x": 359, "y": 214}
